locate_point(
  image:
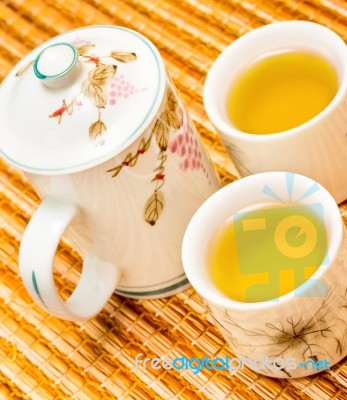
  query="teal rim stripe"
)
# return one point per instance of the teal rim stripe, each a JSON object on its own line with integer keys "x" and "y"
{"x": 36, "y": 288}
{"x": 151, "y": 287}
{"x": 154, "y": 292}
{"x": 73, "y": 63}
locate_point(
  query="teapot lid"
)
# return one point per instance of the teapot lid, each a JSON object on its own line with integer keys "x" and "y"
{"x": 79, "y": 99}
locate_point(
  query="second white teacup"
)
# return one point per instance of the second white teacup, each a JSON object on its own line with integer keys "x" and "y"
{"x": 302, "y": 331}
{"x": 317, "y": 148}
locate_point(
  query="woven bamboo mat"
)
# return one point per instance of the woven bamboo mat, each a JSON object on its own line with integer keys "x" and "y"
{"x": 42, "y": 357}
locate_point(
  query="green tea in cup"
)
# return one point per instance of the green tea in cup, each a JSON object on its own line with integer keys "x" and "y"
{"x": 281, "y": 91}
{"x": 267, "y": 252}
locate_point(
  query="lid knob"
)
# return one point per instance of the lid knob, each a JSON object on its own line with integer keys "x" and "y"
{"x": 57, "y": 65}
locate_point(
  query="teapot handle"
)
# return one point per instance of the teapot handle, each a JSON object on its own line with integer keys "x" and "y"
{"x": 39, "y": 244}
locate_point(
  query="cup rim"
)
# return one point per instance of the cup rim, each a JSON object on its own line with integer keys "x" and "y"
{"x": 202, "y": 220}
{"x": 225, "y": 127}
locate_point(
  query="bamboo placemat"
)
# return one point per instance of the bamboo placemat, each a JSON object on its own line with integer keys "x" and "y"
{"x": 42, "y": 357}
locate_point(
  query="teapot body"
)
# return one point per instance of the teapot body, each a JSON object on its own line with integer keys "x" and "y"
{"x": 134, "y": 208}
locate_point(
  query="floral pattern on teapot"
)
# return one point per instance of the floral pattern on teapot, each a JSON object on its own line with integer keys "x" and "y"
{"x": 172, "y": 120}
{"x": 95, "y": 87}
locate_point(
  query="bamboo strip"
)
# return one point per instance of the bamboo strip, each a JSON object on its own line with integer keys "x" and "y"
{"x": 8, "y": 390}
{"x": 21, "y": 29}
{"x": 41, "y": 15}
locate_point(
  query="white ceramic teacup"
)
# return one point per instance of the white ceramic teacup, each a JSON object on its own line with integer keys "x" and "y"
{"x": 301, "y": 332}
{"x": 317, "y": 148}
{"x": 92, "y": 119}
